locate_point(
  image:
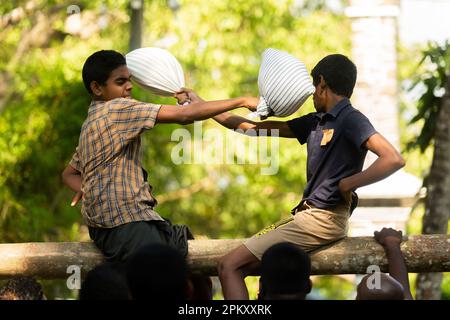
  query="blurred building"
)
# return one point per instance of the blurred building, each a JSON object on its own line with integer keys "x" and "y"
{"x": 374, "y": 50}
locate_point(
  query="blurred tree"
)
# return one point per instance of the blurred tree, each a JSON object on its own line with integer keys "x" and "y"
{"x": 434, "y": 112}
{"x": 136, "y": 23}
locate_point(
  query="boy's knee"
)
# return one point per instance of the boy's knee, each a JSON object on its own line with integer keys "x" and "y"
{"x": 227, "y": 264}
{"x": 222, "y": 265}
{"x": 231, "y": 263}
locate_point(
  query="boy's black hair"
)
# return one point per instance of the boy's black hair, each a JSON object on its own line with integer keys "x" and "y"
{"x": 339, "y": 73}
{"x": 157, "y": 272}
{"x": 285, "y": 270}
{"x": 99, "y": 65}
{"x": 105, "y": 282}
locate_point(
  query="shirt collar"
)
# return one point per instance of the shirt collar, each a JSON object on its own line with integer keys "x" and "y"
{"x": 93, "y": 106}
{"x": 334, "y": 112}
{"x": 95, "y": 103}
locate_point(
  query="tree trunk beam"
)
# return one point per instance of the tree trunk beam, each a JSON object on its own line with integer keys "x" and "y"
{"x": 50, "y": 260}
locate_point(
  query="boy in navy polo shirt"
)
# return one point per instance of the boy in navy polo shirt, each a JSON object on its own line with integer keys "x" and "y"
{"x": 338, "y": 137}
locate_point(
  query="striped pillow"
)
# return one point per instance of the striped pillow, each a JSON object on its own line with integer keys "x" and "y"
{"x": 156, "y": 70}
{"x": 284, "y": 84}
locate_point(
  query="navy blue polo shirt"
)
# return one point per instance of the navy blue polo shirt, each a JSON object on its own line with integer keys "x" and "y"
{"x": 335, "y": 143}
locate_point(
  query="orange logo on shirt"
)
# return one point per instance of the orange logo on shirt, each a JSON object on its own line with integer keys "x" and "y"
{"x": 327, "y": 136}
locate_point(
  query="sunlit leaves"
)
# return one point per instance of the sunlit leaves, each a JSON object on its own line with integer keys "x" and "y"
{"x": 432, "y": 81}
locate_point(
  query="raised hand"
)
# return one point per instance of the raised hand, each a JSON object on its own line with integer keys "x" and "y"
{"x": 251, "y": 103}
{"x": 182, "y": 96}
{"x": 388, "y": 237}
{"x": 194, "y": 97}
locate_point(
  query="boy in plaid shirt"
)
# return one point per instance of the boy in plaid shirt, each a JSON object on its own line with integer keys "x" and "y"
{"x": 117, "y": 204}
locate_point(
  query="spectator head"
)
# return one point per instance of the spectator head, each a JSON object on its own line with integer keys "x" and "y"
{"x": 285, "y": 271}
{"x": 22, "y": 288}
{"x": 200, "y": 287}
{"x": 158, "y": 272}
{"x": 104, "y": 282}
{"x": 388, "y": 289}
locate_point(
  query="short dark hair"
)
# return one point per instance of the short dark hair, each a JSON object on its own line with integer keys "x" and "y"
{"x": 22, "y": 288}
{"x": 157, "y": 272}
{"x": 104, "y": 282}
{"x": 285, "y": 270}
{"x": 339, "y": 73}
{"x": 99, "y": 65}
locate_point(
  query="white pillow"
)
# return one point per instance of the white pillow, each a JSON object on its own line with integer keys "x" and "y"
{"x": 156, "y": 70}
{"x": 284, "y": 84}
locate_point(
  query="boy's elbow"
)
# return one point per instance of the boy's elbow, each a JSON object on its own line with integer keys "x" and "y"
{"x": 68, "y": 174}
{"x": 399, "y": 162}
{"x": 64, "y": 177}
{"x": 402, "y": 162}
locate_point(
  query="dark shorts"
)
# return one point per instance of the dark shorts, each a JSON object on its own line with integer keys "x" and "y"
{"x": 119, "y": 243}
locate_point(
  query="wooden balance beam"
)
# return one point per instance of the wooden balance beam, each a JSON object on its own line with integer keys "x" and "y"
{"x": 50, "y": 260}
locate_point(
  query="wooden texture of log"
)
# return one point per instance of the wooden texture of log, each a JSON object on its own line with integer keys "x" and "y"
{"x": 50, "y": 260}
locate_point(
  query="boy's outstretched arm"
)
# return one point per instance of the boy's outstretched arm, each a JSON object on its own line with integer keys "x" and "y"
{"x": 234, "y": 122}
{"x": 389, "y": 161}
{"x": 390, "y": 239}
{"x": 202, "y": 110}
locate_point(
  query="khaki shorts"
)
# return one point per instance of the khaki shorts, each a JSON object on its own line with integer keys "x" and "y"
{"x": 310, "y": 228}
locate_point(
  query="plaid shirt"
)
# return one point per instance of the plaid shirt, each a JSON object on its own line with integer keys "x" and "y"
{"x": 108, "y": 156}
